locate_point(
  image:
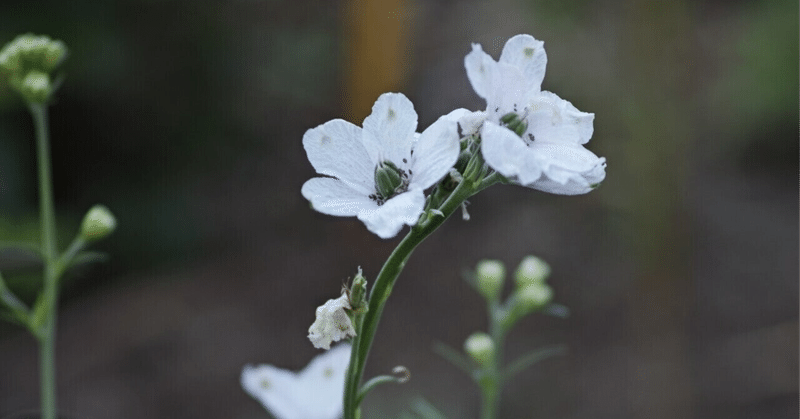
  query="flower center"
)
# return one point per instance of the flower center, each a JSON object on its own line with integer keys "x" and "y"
{"x": 389, "y": 181}
{"x": 514, "y": 122}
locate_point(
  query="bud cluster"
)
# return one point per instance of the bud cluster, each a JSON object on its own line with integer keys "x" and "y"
{"x": 531, "y": 292}
{"x": 27, "y": 61}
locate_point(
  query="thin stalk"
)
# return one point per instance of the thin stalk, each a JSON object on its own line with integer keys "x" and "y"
{"x": 492, "y": 383}
{"x": 382, "y": 288}
{"x": 47, "y": 364}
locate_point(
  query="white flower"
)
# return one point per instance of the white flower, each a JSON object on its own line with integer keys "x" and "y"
{"x": 545, "y": 151}
{"x": 332, "y": 323}
{"x": 314, "y": 393}
{"x": 408, "y": 164}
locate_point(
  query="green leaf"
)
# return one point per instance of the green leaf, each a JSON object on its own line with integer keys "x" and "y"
{"x": 556, "y": 310}
{"x": 426, "y": 410}
{"x": 524, "y": 362}
{"x": 455, "y": 357}
{"x": 88, "y": 257}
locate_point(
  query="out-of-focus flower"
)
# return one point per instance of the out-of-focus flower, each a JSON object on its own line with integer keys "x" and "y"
{"x": 314, "y": 393}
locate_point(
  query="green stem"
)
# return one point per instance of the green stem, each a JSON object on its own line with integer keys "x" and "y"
{"x": 492, "y": 380}
{"x": 47, "y": 364}
{"x": 382, "y": 288}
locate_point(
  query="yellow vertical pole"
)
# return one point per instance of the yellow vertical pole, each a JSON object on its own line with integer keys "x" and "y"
{"x": 377, "y": 39}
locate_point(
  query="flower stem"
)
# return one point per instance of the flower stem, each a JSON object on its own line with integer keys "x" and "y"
{"x": 49, "y": 297}
{"x": 492, "y": 380}
{"x": 382, "y": 288}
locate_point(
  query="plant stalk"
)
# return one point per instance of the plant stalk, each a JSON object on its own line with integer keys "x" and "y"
{"x": 47, "y": 364}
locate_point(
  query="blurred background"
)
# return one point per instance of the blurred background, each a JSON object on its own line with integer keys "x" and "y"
{"x": 186, "y": 118}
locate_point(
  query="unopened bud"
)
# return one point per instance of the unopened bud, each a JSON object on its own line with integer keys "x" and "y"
{"x": 54, "y": 53}
{"x": 480, "y": 347}
{"x": 531, "y": 270}
{"x": 98, "y": 223}
{"x": 489, "y": 276}
{"x": 533, "y": 297}
{"x": 358, "y": 292}
{"x": 35, "y": 87}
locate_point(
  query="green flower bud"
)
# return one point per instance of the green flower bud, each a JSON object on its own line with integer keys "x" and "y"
{"x": 387, "y": 179}
{"x": 480, "y": 347}
{"x": 97, "y": 223}
{"x": 533, "y": 297}
{"x": 531, "y": 270}
{"x": 35, "y": 87}
{"x": 358, "y": 292}
{"x": 54, "y": 53}
{"x": 489, "y": 276}
{"x": 10, "y": 58}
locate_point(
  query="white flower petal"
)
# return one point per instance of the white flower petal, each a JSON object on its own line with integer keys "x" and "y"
{"x": 387, "y": 220}
{"x": 389, "y": 131}
{"x": 553, "y": 119}
{"x": 332, "y": 323}
{"x": 506, "y": 153}
{"x": 569, "y": 169}
{"x": 526, "y": 53}
{"x": 509, "y": 92}
{"x": 314, "y": 393}
{"x": 335, "y": 149}
{"x": 435, "y": 152}
{"x": 334, "y": 197}
{"x": 480, "y": 66}
{"x": 469, "y": 122}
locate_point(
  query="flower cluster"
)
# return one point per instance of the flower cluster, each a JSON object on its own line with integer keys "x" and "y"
{"x": 379, "y": 173}
{"x": 27, "y": 61}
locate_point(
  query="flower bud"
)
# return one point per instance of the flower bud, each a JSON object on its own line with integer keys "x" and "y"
{"x": 480, "y": 347}
{"x": 489, "y": 276}
{"x": 10, "y": 58}
{"x": 387, "y": 179}
{"x": 98, "y": 223}
{"x": 358, "y": 292}
{"x": 531, "y": 270}
{"x": 54, "y": 53}
{"x": 35, "y": 87}
{"x": 533, "y": 297}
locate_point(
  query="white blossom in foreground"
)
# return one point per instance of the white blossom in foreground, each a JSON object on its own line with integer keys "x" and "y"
{"x": 530, "y": 136}
{"x": 314, "y": 393}
{"x": 378, "y": 173}
{"x": 332, "y": 323}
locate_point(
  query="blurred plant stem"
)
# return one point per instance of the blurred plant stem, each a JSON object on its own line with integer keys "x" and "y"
{"x": 47, "y": 331}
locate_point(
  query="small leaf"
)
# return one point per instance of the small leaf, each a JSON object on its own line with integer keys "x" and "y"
{"x": 524, "y": 362}
{"x": 425, "y": 409}
{"x": 556, "y": 310}
{"x": 455, "y": 357}
{"x": 87, "y": 257}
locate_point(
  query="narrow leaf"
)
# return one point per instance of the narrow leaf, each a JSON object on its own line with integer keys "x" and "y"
{"x": 524, "y": 362}
{"x": 455, "y": 357}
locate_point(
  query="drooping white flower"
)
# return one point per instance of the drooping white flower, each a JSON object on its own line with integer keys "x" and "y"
{"x": 332, "y": 323}
{"x": 314, "y": 393}
{"x": 541, "y": 144}
{"x": 378, "y": 173}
